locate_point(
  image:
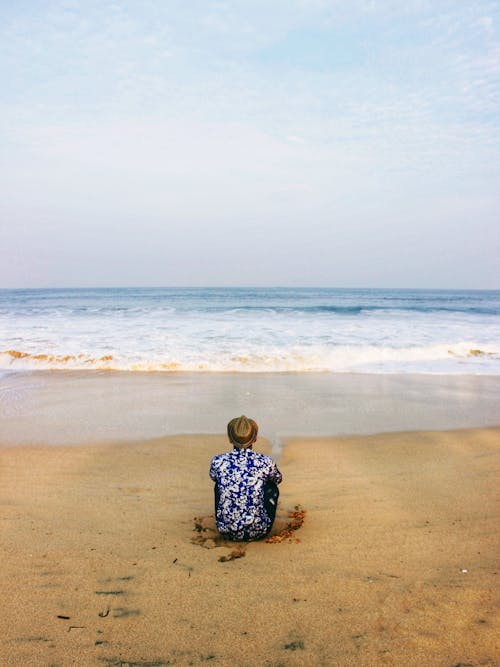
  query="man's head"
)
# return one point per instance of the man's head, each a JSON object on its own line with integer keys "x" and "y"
{"x": 242, "y": 432}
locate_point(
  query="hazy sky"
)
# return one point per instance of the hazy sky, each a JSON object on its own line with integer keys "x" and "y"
{"x": 200, "y": 142}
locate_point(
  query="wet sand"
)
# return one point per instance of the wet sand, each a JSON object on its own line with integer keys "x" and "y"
{"x": 104, "y": 563}
{"x": 71, "y": 407}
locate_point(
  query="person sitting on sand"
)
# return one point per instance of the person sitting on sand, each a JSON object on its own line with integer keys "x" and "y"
{"x": 246, "y": 491}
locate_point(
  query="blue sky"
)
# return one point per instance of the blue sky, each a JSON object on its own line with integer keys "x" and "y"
{"x": 306, "y": 142}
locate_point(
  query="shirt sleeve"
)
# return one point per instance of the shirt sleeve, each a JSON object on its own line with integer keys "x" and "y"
{"x": 274, "y": 474}
{"x": 213, "y": 470}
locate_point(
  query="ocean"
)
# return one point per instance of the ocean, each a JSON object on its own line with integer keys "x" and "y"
{"x": 247, "y": 330}
{"x": 95, "y": 365}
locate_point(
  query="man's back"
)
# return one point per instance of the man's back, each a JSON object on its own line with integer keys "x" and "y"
{"x": 241, "y": 478}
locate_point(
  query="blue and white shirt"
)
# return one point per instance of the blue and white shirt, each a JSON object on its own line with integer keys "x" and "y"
{"x": 241, "y": 476}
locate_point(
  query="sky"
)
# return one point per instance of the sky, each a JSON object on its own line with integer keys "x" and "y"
{"x": 227, "y": 142}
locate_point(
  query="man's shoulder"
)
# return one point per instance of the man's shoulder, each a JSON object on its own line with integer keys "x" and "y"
{"x": 255, "y": 456}
{"x": 221, "y": 457}
{"x": 262, "y": 458}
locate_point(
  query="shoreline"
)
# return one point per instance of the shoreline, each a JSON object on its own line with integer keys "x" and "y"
{"x": 397, "y": 561}
{"x": 71, "y": 407}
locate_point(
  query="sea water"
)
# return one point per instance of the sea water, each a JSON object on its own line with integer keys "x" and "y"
{"x": 87, "y": 365}
{"x": 248, "y": 330}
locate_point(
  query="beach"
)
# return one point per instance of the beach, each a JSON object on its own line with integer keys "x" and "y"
{"x": 380, "y": 408}
{"x": 251, "y": 224}
{"x": 110, "y": 556}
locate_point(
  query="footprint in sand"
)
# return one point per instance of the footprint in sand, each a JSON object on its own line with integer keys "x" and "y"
{"x": 208, "y": 537}
{"x": 206, "y": 533}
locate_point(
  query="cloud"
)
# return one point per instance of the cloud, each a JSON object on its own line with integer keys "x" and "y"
{"x": 285, "y": 116}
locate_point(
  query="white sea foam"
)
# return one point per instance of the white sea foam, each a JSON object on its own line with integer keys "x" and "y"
{"x": 375, "y": 331}
{"x": 448, "y": 358}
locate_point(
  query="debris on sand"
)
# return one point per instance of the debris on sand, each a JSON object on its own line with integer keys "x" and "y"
{"x": 297, "y": 519}
{"x": 235, "y": 553}
{"x": 198, "y": 525}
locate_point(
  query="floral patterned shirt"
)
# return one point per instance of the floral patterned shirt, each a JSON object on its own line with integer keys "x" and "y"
{"x": 241, "y": 476}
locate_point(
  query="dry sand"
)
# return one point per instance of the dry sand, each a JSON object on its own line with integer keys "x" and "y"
{"x": 396, "y": 563}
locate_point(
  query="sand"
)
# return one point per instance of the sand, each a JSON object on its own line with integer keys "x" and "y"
{"x": 396, "y": 562}
{"x": 71, "y": 407}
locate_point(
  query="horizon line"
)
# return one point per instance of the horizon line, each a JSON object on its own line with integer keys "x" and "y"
{"x": 253, "y": 287}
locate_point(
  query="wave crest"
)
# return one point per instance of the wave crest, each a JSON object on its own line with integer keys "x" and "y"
{"x": 342, "y": 358}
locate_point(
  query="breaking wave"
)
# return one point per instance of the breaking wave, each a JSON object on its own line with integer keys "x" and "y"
{"x": 462, "y": 357}
{"x": 250, "y": 330}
